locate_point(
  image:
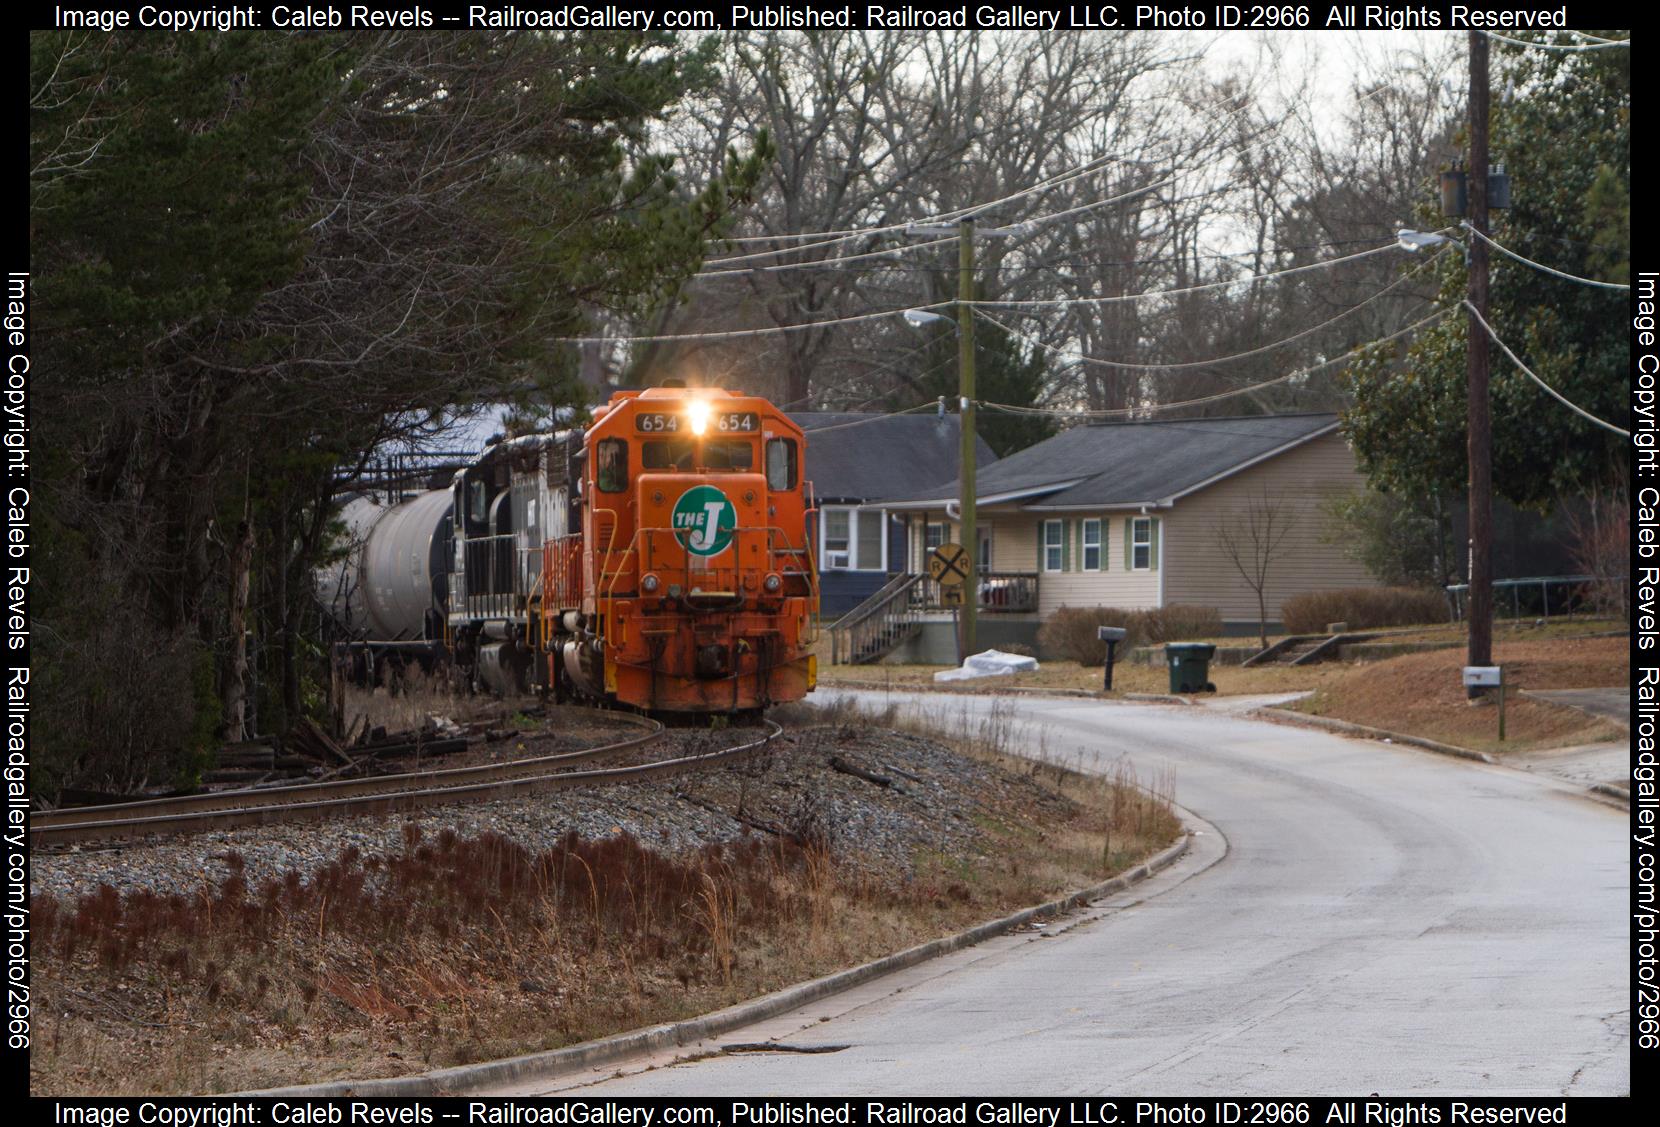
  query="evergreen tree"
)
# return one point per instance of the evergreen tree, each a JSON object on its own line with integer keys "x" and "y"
{"x": 1565, "y": 138}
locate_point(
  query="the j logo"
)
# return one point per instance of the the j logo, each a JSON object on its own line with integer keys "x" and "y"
{"x": 703, "y": 520}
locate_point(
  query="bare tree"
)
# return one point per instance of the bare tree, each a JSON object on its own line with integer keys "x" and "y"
{"x": 1254, "y": 541}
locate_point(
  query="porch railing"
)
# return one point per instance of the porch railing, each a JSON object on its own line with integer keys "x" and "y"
{"x": 1001, "y": 592}
{"x": 878, "y": 624}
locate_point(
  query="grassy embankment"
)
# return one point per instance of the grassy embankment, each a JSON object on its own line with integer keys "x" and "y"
{"x": 455, "y": 950}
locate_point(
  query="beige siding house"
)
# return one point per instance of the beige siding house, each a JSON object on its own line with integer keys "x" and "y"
{"x": 1128, "y": 515}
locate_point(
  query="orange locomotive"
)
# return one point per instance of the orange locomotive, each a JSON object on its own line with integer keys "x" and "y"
{"x": 687, "y": 584}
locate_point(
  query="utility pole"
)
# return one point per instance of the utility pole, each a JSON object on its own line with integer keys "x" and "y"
{"x": 1480, "y": 616}
{"x": 965, "y": 231}
{"x": 965, "y": 391}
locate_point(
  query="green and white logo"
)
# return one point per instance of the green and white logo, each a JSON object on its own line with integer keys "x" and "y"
{"x": 704, "y": 519}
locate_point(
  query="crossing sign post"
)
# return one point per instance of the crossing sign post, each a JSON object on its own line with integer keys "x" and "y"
{"x": 948, "y": 566}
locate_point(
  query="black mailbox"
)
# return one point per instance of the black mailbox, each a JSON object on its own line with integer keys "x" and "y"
{"x": 1111, "y": 635}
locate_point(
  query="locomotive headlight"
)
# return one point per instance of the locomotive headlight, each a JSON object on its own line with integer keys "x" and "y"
{"x": 697, "y": 415}
{"x": 649, "y": 584}
{"x": 772, "y": 583}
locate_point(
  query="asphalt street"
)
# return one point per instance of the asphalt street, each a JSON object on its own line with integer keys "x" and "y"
{"x": 1353, "y": 918}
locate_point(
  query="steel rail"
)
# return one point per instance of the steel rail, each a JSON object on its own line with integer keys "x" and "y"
{"x": 347, "y": 788}
{"x": 389, "y": 802}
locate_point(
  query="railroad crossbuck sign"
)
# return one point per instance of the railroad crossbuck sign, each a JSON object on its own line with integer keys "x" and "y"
{"x": 948, "y": 566}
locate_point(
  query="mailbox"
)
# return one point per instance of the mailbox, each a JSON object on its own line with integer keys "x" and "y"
{"x": 1482, "y": 675}
{"x": 1111, "y": 635}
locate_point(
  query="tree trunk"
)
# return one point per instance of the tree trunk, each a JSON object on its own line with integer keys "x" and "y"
{"x": 234, "y": 696}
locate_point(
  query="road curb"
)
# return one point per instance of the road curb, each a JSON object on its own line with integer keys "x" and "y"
{"x": 1013, "y": 690}
{"x": 449, "y": 1081}
{"x": 1286, "y": 716}
{"x": 1621, "y": 795}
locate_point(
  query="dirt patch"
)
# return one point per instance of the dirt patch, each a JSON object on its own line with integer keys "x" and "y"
{"x": 442, "y": 941}
{"x": 1422, "y": 695}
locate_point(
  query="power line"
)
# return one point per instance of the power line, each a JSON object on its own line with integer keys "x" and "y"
{"x": 733, "y": 334}
{"x": 1200, "y": 288}
{"x": 1554, "y": 394}
{"x": 1094, "y": 164}
{"x": 906, "y": 248}
{"x": 1598, "y": 46}
{"x": 1215, "y": 360}
{"x": 1115, "y": 412}
{"x": 1540, "y": 265}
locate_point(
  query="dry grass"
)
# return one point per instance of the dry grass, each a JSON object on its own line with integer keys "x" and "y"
{"x": 416, "y": 697}
{"x": 1126, "y": 677}
{"x": 1422, "y": 694}
{"x": 460, "y": 949}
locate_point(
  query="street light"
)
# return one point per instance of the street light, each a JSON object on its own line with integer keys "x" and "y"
{"x": 1414, "y": 241}
{"x": 916, "y": 318}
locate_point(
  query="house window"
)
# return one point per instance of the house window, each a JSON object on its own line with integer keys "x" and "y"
{"x": 838, "y": 539}
{"x": 1090, "y": 541}
{"x": 1141, "y": 543}
{"x": 870, "y": 545}
{"x": 933, "y": 536}
{"x": 854, "y": 539}
{"x": 985, "y": 550}
{"x": 1054, "y": 543}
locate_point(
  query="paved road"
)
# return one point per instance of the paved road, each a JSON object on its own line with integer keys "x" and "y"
{"x": 1355, "y": 918}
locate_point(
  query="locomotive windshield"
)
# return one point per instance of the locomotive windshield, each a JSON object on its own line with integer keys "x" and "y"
{"x": 682, "y": 454}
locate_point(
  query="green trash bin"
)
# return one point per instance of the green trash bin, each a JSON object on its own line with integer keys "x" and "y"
{"x": 1190, "y": 666}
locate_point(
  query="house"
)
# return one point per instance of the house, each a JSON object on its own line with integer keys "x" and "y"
{"x": 855, "y": 462}
{"x": 1128, "y": 514}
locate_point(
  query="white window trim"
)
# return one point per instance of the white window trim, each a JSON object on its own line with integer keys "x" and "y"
{"x": 1059, "y": 545}
{"x": 1136, "y": 524}
{"x": 852, "y": 512}
{"x": 1084, "y": 545}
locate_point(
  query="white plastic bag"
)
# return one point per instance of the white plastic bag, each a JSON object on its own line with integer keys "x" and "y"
{"x": 990, "y": 663}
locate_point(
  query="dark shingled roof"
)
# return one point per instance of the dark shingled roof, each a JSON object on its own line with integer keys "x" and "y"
{"x": 881, "y": 457}
{"x": 1133, "y": 463}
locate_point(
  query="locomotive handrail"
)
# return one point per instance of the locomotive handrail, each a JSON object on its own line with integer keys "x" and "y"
{"x": 772, "y": 532}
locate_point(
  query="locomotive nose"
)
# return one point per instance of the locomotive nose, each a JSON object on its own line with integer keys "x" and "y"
{"x": 713, "y": 661}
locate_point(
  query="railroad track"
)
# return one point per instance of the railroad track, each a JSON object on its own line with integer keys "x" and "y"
{"x": 387, "y": 794}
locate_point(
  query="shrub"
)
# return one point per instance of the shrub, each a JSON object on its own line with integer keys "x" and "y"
{"x": 1180, "y": 621}
{"x": 1363, "y": 608}
{"x": 1070, "y": 633}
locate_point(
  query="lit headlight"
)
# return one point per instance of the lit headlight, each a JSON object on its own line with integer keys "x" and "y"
{"x": 649, "y": 584}
{"x": 697, "y": 415}
{"x": 772, "y": 583}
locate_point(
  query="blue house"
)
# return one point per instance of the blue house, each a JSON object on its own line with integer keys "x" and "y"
{"x": 855, "y": 463}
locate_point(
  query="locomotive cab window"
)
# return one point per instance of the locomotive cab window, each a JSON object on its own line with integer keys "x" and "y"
{"x": 682, "y": 454}
{"x": 611, "y": 465}
{"x": 781, "y": 464}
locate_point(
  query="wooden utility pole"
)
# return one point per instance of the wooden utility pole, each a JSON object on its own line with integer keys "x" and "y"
{"x": 965, "y": 389}
{"x": 1479, "y": 618}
